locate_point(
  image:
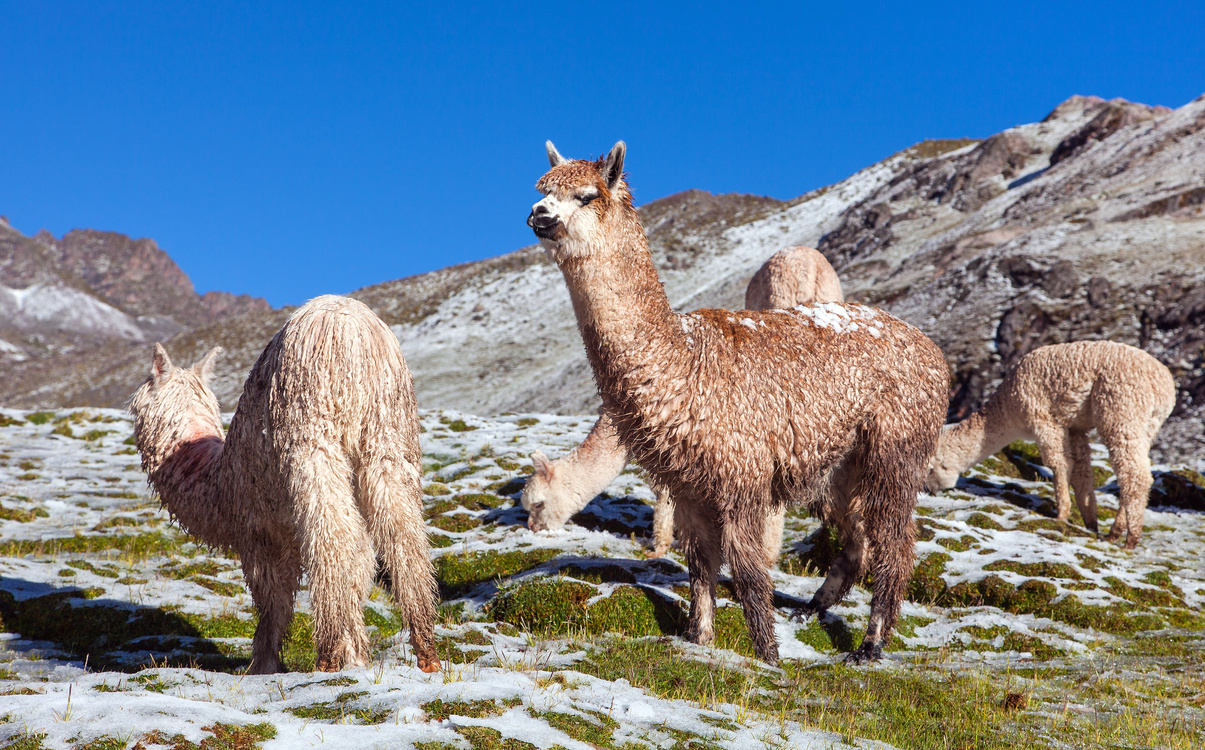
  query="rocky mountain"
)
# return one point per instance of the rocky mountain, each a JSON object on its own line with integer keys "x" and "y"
{"x": 91, "y": 296}
{"x": 1089, "y": 224}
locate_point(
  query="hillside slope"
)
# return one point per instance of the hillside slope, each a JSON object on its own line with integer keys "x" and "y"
{"x": 1089, "y": 224}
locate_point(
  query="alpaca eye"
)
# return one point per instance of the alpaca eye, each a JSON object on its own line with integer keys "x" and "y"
{"x": 538, "y": 506}
{"x": 587, "y": 198}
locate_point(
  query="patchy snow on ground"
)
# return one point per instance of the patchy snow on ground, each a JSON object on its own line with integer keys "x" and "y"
{"x": 120, "y": 628}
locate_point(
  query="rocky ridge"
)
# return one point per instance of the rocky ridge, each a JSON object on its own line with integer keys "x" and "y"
{"x": 91, "y": 297}
{"x": 1089, "y": 224}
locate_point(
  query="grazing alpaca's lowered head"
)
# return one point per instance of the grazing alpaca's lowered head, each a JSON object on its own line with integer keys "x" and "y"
{"x": 559, "y": 489}
{"x": 321, "y": 465}
{"x": 737, "y": 414}
{"x": 1055, "y": 395}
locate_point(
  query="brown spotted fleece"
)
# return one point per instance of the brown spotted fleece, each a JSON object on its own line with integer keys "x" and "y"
{"x": 320, "y": 467}
{"x": 558, "y": 489}
{"x": 834, "y": 406}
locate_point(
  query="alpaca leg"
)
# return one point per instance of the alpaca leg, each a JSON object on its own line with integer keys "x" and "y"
{"x": 663, "y": 523}
{"x": 273, "y": 575}
{"x": 895, "y": 472}
{"x": 1080, "y": 459}
{"x": 846, "y": 570}
{"x": 1130, "y": 456}
{"x": 744, "y": 547}
{"x": 700, "y": 536}
{"x": 337, "y": 554}
{"x": 844, "y": 505}
{"x": 772, "y": 536}
{"x": 891, "y": 539}
{"x": 392, "y": 505}
{"x": 1052, "y": 444}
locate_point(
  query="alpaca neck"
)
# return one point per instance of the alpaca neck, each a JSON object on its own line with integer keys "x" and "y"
{"x": 594, "y": 464}
{"x": 980, "y": 435}
{"x": 188, "y": 481}
{"x": 620, "y": 304}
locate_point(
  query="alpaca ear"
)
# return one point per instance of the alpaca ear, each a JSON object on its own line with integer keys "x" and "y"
{"x": 204, "y": 368}
{"x": 541, "y": 464}
{"x": 612, "y": 171}
{"x": 161, "y": 364}
{"x": 554, "y": 156}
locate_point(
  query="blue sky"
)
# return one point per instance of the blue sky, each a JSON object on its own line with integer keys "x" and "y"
{"x": 293, "y": 149}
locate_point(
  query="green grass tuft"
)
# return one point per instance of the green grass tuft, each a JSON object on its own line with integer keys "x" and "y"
{"x": 556, "y": 606}
{"x": 22, "y": 516}
{"x": 441, "y": 710}
{"x": 594, "y": 727}
{"x": 457, "y": 574}
{"x": 1036, "y": 570}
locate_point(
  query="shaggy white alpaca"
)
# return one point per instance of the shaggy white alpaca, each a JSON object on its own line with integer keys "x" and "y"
{"x": 559, "y": 489}
{"x": 321, "y": 465}
{"x": 1055, "y": 396}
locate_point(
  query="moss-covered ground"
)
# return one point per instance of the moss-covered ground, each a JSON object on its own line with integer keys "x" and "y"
{"x": 1018, "y": 630}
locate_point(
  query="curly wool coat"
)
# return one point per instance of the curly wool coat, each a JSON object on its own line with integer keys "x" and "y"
{"x": 558, "y": 489}
{"x": 321, "y": 465}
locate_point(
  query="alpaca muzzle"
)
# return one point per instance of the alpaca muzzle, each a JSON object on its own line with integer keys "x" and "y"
{"x": 545, "y": 225}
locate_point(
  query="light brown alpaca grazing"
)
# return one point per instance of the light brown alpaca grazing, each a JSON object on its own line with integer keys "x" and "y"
{"x": 1055, "y": 396}
{"x": 793, "y": 276}
{"x": 558, "y": 489}
{"x": 321, "y": 466}
{"x": 738, "y": 413}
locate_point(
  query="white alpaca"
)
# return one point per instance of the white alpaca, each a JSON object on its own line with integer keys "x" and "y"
{"x": 320, "y": 467}
{"x": 793, "y": 276}
{"x": 559, "y": 489}
{"x": 1055, "y": 396}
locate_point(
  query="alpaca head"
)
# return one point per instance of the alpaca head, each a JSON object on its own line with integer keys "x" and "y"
{"x": 544, "y": 496}
{"x": 943, "y": 466}
{"x": 174, "y": 407}
{"x": 578, "y": 197}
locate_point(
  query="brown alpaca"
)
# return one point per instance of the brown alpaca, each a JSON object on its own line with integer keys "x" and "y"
{"x": 1055, "y": 396}
{"x": 321, "y": 465}
{"x": 738, "y": 413}
{"x": 558, "y": 489}
{"x": 793, "y": 276}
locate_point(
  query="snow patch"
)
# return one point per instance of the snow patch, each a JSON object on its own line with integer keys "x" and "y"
{"x": 61, "y": 308}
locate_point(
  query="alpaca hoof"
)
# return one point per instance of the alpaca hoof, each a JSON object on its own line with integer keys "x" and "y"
{"x": 865, "y": 654}
{"x": 700, "y": 636}
{"x": 430, "y": 667}
{"x": 1131, "y": 545}
{"x": 806, "y": 612}
{"x": 265, "y": 668}
{"x": 659, "y": 551}
{"x": 328, "y": 665}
